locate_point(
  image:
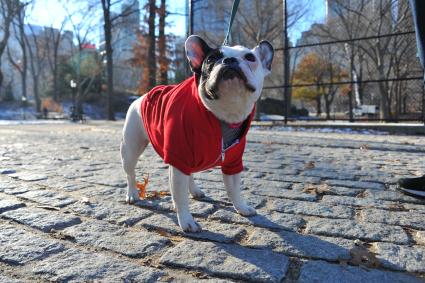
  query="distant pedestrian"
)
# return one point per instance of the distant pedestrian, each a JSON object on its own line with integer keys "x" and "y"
{"x": 416, "y": 186}
{"x": 45, "y": 112}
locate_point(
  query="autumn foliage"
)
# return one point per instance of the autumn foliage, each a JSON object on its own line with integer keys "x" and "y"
{"x": 321, "y": 73}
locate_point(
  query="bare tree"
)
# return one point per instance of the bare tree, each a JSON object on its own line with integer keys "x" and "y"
{"x": 151, "y": 43}
{"x": 162, "y": 44}
{"x": 37, "y": 54}
{"x": 8, "y": 10}
{"x": 53, "y": 42}
{"x": 20, "y": 63}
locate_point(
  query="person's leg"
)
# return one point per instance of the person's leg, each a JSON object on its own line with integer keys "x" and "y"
{"x": 416, "y": 186}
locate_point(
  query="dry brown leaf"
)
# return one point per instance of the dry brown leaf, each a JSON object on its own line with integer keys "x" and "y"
{"x": 364, "y": 147}
{"x": 360, "y": 255}
{"x": 142, "y": 187}
{"x": 310, "y": 165}
{"x": 316, "y": 190}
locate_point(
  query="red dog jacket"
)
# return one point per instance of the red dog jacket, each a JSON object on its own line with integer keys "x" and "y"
{"x": 187, "y": 135}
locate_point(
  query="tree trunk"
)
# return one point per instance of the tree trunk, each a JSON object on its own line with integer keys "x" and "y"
{"x": 319, "y": 105}
{"x": 328, "y": 108}
{"x": 151, "y": 45}
{"x": 106, "y": 5}
{"x": 162, "y": 45}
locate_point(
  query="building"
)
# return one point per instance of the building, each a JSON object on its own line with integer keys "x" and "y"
{"x": 124, "y": 37}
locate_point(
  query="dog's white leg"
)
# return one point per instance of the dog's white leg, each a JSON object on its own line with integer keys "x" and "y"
{"x": 179, "y": 187}
{"x": 194, "y": 190}
{"x": 233, "y": 184}
{"x": 133, "y": 143}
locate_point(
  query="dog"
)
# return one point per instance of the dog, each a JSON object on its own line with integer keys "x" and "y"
{"x": 200, "y": 123}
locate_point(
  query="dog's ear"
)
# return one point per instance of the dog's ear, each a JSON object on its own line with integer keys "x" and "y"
{"x": 266, "y": 52}
{"x": 196, "y": 51}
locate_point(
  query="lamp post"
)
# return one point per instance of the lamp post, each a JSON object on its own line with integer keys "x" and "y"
{"x": 73, "y": 86}
{"x": 24, "y": 105}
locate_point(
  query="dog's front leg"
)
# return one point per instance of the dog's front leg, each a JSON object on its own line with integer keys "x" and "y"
{"x": 233, "y": 188}
{"x": 179, "y": 186}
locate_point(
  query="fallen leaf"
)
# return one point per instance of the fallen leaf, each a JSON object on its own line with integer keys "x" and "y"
{"x": 360, "y": 255}
{"x": 364, "y": 147}
{"x": 310, "y": 165}
{"x": 316, "y": 190}
{"x": 142, "y": 187}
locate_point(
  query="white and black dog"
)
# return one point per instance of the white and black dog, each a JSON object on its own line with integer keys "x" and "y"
{"x": 200, "y": 123}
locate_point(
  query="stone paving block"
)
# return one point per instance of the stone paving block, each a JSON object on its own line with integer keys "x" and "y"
{"x": 6, "y": 171}
{"x": 7, "y": 203}
{"x": 356, "y": 184}
{"x": 292, "y": 179}
{"x": 354, "y": 230}
{"x": 353, "y": 201}
{"x": 393, "y": 196}
{"x": 311, "y": 208}
{"x": 214, "y": 231}
{"x": 228, "y": 261}
{"x": 28, "y": 176}
{"x": 265, "y": 219}
{"x": 420, "y": 237}
{"x": 283, "y": 193}
{"x": 18, "y": 246}
{"x": 409, "y": 258}
{"x": 300, "y": 245}
{"x": 38, "y": 218}
{"x": 7, "y": 279}
{"x": 107, "y": 177}
{"x": 75, "y": 265}
{"x": 17, "y": 189}
{"x": 402, "y": 218}
{"x": 46, "y": 197}
{"x": 129, "y": 242}
{"x": 117, "y": 212}
{"x": 321, "y": 271}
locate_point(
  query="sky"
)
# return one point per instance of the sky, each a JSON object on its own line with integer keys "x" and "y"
{"x": 51, "y": 12}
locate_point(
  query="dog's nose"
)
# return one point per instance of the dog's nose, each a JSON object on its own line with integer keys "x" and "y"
{"x": 230, "y": 61}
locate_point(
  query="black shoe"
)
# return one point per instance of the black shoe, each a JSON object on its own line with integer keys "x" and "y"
{"x": 413, "y": 186}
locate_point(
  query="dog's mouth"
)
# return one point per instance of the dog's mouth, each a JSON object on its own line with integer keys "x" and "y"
{"x": 230, "y": 73}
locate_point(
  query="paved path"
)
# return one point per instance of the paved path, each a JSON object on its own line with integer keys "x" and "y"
{"x": 328, "y": 211}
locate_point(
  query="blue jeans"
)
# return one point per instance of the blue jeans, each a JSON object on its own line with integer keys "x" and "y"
{"x": 418, "y": 12}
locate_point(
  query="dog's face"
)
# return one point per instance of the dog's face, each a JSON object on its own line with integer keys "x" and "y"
{"x": 230, "y": 78}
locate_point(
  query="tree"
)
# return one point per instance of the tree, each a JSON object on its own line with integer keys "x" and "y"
{"x": 8, "y": 10}
{"x": 37, "y": 56}
{"x": 107, "y": 27}
{"x": 151, "y": 67}
{"x": 163, "y": 61}
{"x": 315, "y": 69}
{"x": 21, "y": 64}
{"x": 381, "y": 57}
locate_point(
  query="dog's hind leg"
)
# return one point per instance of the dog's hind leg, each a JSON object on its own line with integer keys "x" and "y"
{"x": 133, "y": 143}
{"x": 194, "y": 190}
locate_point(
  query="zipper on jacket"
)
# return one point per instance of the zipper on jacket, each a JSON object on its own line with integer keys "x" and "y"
{"x": 223, "y": 151}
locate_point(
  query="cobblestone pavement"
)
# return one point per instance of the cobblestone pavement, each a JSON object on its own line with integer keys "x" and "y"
{"x": 327, "y": 209}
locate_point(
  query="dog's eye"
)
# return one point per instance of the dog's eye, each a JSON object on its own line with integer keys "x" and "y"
{"x": 250, "y": 57}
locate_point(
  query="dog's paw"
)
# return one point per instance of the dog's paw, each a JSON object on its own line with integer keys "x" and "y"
{"x": 246, "y": 210}
{"x": 197, "y": 193}
{"x": 188, "y": 224}
{"x": 132, "y": 196}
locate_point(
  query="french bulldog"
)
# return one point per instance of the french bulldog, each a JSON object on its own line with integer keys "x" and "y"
{"x": 200, "y": 123}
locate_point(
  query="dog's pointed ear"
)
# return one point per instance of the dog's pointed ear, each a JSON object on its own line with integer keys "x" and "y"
{"x": 196, "y": 51}
{"x": 266, "y": 52}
